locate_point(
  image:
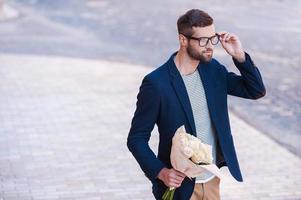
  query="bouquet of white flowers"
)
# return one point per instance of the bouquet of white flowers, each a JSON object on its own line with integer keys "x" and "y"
{"x": 190, "y": 156}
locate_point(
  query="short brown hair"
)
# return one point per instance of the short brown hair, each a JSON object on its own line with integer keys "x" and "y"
{"x": 193, "y": 18}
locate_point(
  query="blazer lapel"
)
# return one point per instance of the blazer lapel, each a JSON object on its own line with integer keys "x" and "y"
{"x": 208, "y": 80}
{"x": 179, "y": 87}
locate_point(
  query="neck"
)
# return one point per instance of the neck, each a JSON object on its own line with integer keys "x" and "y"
{"x": 185, "y": 64}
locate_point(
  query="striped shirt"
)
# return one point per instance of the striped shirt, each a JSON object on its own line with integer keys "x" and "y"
{"x": 204, "y": 127}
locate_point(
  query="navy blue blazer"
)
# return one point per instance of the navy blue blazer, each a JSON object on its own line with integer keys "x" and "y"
{"x": 163, "y": 100}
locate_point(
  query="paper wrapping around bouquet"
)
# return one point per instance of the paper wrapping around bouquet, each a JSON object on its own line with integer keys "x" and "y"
{"x": 180, "y": 162}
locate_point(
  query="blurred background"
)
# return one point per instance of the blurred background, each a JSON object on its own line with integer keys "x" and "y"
{"x": 70, "y": 72}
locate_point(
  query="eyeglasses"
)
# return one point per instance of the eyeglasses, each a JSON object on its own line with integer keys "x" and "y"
{"x": 203, "y": 41}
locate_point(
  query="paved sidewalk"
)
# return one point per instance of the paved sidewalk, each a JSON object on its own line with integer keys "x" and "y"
{"x": 64, "y": 123}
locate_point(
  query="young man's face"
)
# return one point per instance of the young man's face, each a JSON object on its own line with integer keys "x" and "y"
{"x": 194, "y": 50}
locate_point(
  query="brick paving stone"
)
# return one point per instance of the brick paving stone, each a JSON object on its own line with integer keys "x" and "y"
{"x": 64, "y": 124}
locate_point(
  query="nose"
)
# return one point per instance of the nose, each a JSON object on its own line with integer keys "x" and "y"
{"x": 209, "y": 45}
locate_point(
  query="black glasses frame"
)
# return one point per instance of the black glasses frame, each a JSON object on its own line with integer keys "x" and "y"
{"x": 208, "y": 38}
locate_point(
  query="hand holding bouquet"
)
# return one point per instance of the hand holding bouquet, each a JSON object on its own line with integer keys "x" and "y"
{"x": 190, "y": 156}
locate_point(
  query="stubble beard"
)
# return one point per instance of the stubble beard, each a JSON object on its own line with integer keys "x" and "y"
{"x": 202, "y": 57}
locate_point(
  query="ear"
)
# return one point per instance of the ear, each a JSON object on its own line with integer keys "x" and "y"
{"x": 183, "y": 40}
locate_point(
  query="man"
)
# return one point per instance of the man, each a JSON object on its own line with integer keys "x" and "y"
{"x": 191, "y": 88}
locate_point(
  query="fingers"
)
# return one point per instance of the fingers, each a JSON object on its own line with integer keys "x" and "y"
{"x": 222, "y": 32}
{"x": 172, "y": 182}
{"x": 226, "y": 37}
{"x": 179, "y": 173}
{"x": 175, "y": 178}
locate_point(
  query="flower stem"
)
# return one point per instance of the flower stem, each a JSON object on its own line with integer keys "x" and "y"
{"x": 169, "y": 194}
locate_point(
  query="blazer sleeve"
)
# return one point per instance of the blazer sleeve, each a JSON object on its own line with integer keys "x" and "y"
{"x": 249, "y": 84}
{"x": 145, "y": 117}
